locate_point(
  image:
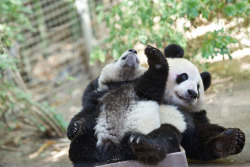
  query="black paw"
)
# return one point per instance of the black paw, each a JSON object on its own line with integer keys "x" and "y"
{"x": 230, "y": 142}
{"x": 146, "y": 149}
{"x": 108, "y": 152}
{"x": 156, "y": 59}
{"x": 74, "y": 129}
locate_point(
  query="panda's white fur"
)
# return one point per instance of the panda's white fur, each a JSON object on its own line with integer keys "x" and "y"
{"x": 120, "y": 71}
{"x": 134, "y": 116}
{"x": 169, "y": 114}
{"x": 176, "y": 94}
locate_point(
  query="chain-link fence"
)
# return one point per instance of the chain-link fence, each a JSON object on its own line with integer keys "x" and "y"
{"x": 53, "y": 51}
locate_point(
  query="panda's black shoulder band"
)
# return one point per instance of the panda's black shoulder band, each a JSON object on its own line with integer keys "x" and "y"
{"x": 174, "y": 51}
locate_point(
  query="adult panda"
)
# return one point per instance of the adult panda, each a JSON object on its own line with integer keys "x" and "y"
{"x": 123, "y": 119}
{"x": 183, "y": 108}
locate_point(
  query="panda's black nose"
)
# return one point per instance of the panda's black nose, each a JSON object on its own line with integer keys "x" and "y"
{"x": 192, "y": 93}
{"x": 133, "y": 51}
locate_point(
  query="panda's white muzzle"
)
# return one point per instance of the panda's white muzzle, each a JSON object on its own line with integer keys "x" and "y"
{"x": 189, "y": 97}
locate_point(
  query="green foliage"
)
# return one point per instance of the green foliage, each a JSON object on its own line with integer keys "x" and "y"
{"x": 237, "y": 9}
{"x": 216, "y": 42}
{"x": 155, "y": 22}
{"x": 98, "y": 54}
{"x": 13, "y": 17}
{"x": 7, "y": 63}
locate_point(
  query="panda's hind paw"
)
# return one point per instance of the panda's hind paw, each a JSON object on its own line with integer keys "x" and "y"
{"x": 230, "y": 142}
{"x": 146, "y": 150}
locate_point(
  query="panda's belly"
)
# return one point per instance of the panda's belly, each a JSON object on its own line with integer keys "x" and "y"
{"x": 122, "y": 113}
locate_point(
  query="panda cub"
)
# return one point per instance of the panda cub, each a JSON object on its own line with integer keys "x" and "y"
{"x": 81, "y": 127}
{"x": 124, "y": 70}
{"x": 121, "y": 116}
{"x": 185, "y": 92}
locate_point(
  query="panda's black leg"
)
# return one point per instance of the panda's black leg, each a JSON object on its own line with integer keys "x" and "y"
{"x": 83, "y": 149}
{"x": 153, "y": 147}
{"x": 212, "y": 142}
{"x": 151, "y": 85}
{"x": 109, "y": 152}
{"x": 81, "y": 164}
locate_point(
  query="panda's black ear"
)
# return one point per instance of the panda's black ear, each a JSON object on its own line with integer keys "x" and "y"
{"x": 174, "y": 51}
{"x": 206, "y": 79}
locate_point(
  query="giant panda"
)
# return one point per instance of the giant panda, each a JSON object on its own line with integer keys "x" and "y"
{"x": 124, "y": 119}
{"x": 183, "y": 107}
{"x": 179, "y": 115}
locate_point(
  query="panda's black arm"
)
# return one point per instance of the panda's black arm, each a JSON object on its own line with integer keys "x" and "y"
{"x": 86, "y": 118}
{"x": 92, "y": 86}
{"x": 76, "y": 125}
{"x": 152, "y": 83}
{"x": 169, "y": 137}
{"x": 153, "y": 147}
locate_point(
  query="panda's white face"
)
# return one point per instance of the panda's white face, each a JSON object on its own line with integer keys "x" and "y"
{"x": 128, "y": 59}
{"x": 184, "y": 85}
{"x": 126, "y": 68}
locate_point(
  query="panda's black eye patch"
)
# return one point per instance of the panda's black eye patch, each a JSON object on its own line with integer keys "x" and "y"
{"x": 198, "y": 86}
{"x": 124, "y": 57}
{"x": 182, "y": 77}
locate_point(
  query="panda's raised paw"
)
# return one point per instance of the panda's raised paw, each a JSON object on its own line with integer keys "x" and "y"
{"x": 74, "y": 129}
{"x": 156, "y": 59}
{"x": 230, "y": 142}
{"x": 147, "y": 150}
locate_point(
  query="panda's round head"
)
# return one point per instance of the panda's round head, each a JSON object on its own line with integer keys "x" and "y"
{"x": 126, "y": 68}
{"x": 185, "y": 85}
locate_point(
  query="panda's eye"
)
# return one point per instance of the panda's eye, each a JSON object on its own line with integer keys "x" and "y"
{"x": 182, "y": 77}
{"x": 124, "y": 57}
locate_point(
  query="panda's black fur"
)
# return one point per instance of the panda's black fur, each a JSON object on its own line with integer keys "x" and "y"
{"x": 201, "y": 139}
{"x": 147, "y": 147}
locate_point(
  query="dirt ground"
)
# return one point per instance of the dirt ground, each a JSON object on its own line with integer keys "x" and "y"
{"x": 228, "y": 104}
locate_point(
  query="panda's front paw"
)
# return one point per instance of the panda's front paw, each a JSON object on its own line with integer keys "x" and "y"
{"x": 146, "y": 149}
{"x": 230, "y": 142}
{"x": 74, "y": 129}
{"x": 156, "y": 59}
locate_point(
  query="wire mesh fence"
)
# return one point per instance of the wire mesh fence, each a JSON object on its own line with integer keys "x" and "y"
{"x": 53, "y": 51}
